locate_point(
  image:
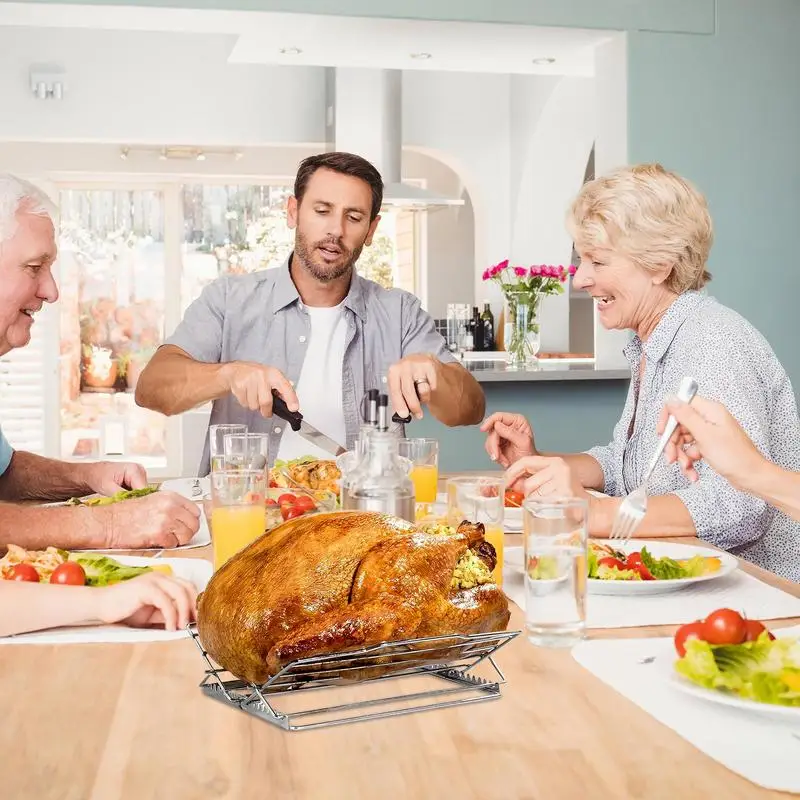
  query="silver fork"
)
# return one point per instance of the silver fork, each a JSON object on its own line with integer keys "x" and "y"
{"x": 633, "y": 508}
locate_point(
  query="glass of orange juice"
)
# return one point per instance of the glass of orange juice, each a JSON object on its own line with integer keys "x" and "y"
{"x": 238, "y": 510}
{"x": 424, "y": 457}
{"x": 479, "y": 499}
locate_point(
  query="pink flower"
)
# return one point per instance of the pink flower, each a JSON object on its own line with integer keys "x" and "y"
{"x": 520, "y": 272}
{"x": 502, "y": 265}
{"x": 573, "y": 269}
{"x": 486, "y": 275}
{"x": 563, "y": 277}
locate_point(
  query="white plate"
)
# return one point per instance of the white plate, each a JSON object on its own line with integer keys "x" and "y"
{"x": 514, "y": 557}
{"x": 783, "y": 713}
{"x": 183, "y": 486}
{"x": 658, "y": 550}
{"x": 196, "y": 570}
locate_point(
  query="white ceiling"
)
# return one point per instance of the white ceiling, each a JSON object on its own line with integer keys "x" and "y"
{"x": 342, "y": 41}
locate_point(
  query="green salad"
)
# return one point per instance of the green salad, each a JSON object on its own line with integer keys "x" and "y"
{"x": 765, "y": 670}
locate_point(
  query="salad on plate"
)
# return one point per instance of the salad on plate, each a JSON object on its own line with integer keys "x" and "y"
{"x": 608, "y": 564}
{"x": 735, "y": 657}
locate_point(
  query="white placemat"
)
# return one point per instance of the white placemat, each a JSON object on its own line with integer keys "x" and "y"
{"x": 739, "y": 590}
{"x": 762, "y": 750}
{"x": 196, "y": 570}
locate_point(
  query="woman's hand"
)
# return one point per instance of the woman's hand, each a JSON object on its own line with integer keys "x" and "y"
{"x": 509, "y": 438}
{"x": 151, "y": 599}
{"x": 544, "y": 476}
{"x": 708, "y": 432}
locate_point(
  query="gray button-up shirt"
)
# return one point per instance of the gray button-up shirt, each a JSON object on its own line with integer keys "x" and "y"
{"x": 734, "y": 364}
{"x": 259, "y": 317}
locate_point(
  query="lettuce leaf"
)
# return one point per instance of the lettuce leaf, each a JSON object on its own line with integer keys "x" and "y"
{"x": 592, "y": 563}
{"x": 664, "y": 568}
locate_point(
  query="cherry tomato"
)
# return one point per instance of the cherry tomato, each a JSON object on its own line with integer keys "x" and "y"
{"x": 692, "y": 630}
{"x": 287, "y": 499}
{"x": 610, "y": 561}
{"x": 69, "y": 574}
{"x": 754, "y": 629}
{"x": 305, "y": 503}
{"x": 290, "y": 512}
{"x": 725, "y": 626}
{"x": 24, "y": 572}
{"x": 513, "y": 499}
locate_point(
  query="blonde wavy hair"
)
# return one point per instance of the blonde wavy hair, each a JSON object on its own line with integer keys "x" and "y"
{"x": 652, "y": 216}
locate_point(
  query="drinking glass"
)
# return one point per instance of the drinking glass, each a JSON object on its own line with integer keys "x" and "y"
{"x": 246, "y": 451}
{"x": 555, "y": 568}
{"x": 238, "y": 510}
{"x": 479, "y": 499}
{"x": 424, "y": 457}
{"x": 216, "y": 442}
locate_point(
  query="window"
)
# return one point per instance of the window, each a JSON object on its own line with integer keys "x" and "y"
{"x": 112, "y": 263}
{"x": 132, "y": 258}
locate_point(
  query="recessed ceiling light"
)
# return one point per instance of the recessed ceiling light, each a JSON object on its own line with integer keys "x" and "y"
{"x": 421, "y": 56}
{"x": 290, "y": 51}
{"x": 541, "y": 61}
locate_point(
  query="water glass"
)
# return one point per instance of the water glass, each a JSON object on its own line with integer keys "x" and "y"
{"x": 424, "y": 457}
{"x": 238, "y": 510}
{"x": 479, "y": 499}
{"x": 246, "y": 451}
{"x": 555, "y": 540}
{"x": 216, "y": 442}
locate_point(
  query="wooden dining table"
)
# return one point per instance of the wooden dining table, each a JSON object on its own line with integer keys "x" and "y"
{"x": 129, "y": 722}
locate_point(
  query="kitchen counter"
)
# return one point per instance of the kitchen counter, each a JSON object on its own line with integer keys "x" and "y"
{"x": 494, "y": 371}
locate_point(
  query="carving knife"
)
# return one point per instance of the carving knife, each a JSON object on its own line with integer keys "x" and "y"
{"x": 302, "y": 428}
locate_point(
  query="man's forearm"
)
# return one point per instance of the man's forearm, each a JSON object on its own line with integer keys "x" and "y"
{"x": 31, "y": 477}
{"x": 173, "y": 382}
{"x": 774, "y": 485}
{"x": 458, "y": 399}
{"x": 666, "y": 516}
{"x": 67, "y": 527}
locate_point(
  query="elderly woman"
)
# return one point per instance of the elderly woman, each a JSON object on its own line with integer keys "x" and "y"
{"x": 643, "y": 235}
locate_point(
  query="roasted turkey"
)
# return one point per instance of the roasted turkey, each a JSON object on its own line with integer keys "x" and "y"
{"x": 328, "y": 583}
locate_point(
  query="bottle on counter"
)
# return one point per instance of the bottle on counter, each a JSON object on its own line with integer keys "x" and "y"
{"x": 487, "y": 328}
{"x": 477, "y": 330}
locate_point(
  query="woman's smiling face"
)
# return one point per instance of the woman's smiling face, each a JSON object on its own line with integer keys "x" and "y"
{"x": 627, "y": 296}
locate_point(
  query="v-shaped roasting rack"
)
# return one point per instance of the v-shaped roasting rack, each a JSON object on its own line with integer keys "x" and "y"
{"x": 430, "y": 673}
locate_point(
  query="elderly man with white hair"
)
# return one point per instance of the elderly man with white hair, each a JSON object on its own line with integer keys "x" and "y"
{"x": 162, "y": 519}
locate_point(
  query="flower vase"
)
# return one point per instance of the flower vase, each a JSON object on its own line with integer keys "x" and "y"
{"x": 521, "y": 327}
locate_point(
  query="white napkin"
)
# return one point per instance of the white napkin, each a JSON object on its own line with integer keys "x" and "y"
{"x": 761, "y": 749}
{"x": 740, "y": 591}
{"x": 196, "y": 570}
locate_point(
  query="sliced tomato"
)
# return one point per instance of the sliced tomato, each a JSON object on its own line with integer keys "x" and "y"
{"x": 645, "y": 573}
{"x": 610, "y": 561}
{"x": 69, "y": 574}
{"x": 633, "y": 559}
{"x": 305, "y": 503}
{"x": 725, "y": 626}
{"x": 290, "y": 512}
{"x": 272, "y": 503}
{"x": 286, "y": 499}
{"x": 754, "y": 629}
{"x": 692, "y": 630}
{"x": 513, "y": 499}
{"x": 23, "y": 572}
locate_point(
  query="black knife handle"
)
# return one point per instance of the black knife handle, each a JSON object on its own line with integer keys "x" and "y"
{"x": 280, "y": 409}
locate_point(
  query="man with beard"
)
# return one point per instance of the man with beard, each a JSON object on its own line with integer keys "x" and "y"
{"x": 313, "y": 330}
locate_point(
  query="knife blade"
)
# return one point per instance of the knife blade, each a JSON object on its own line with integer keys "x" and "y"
{"x": 303, "y": 428}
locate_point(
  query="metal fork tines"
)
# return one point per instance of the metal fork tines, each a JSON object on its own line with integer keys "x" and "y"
{"x": 633, "y": 508}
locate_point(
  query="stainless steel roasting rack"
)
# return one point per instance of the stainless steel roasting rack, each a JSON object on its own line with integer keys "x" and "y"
{"x": 435, "y": 672}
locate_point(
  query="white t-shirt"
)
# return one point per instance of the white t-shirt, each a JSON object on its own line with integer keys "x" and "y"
{"x": 319, "y": 389}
